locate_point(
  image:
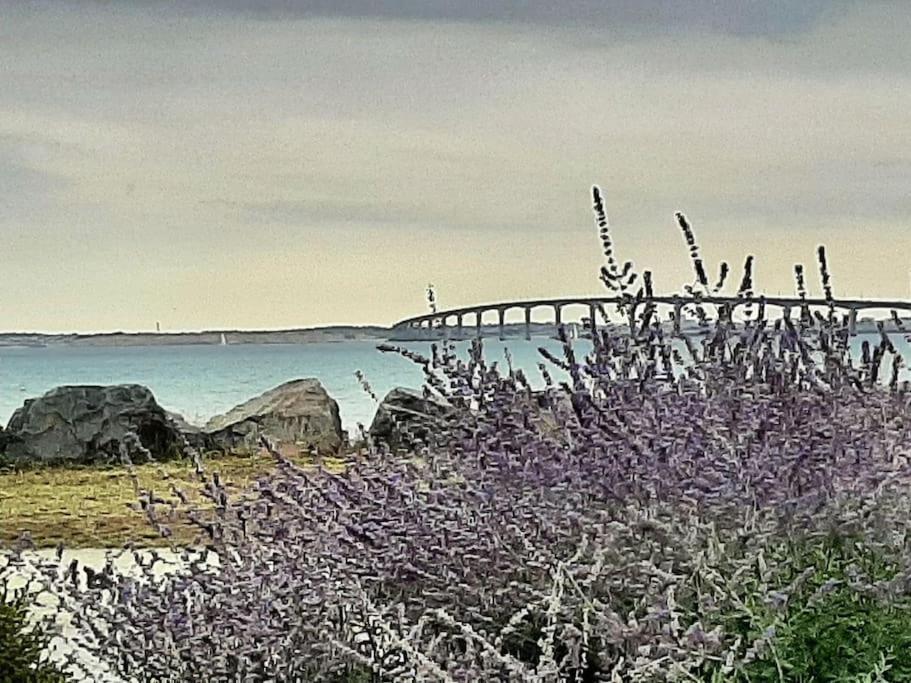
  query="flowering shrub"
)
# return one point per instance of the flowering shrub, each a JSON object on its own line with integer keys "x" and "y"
{"x": 706, "y": 510}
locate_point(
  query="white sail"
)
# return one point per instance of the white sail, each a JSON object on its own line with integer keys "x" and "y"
{"x": 224, "y": 340}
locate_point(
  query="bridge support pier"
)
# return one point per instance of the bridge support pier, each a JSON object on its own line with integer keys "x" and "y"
{"x": 786, "y": 312}
{"x": 459, "y": 327}
{"x": 678, "y": 312}
{"x": 527, "y": 324}
{"x": 558, "y": 316}
{"x": 477, "y": 323}
{"x": 501, "y": 319}
{"x": 852, "y": 322}
{"x": 592, "y": 312}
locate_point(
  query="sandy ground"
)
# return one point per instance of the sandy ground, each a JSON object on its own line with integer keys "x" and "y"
{"x": 95, "y": 558}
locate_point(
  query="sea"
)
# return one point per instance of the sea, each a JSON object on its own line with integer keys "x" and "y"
{"x": 202, "y": 381}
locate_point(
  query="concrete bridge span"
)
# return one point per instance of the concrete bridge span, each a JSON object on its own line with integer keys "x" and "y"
{"x": 440, "y": 319}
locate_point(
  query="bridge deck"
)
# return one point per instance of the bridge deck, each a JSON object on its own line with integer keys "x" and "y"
{"x": 671, "y": 300}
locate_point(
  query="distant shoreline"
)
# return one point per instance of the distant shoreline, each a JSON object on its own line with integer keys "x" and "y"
{"x": 308, "y": 335}
{"x": 204, "y": 338}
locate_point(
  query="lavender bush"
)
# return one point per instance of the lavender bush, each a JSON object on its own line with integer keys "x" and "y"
{"x": 678, "y": 509}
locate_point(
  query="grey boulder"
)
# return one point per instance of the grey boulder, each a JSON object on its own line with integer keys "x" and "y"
{"x": 299, "y": 412}
{"x": 195, "y": 436}
{"x": 88, "y": 424}
{"x": 551, "y": 412}
{"x": 407, "y": 419}
{"x": 5, "y": 440}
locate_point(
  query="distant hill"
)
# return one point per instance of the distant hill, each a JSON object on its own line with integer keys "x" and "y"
{"x": 337, "y": 333}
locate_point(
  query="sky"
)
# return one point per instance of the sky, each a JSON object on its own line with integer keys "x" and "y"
{"x": 213, "y": 164}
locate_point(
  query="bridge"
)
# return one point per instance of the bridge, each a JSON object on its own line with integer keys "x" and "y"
{"x": 440, "y": 319}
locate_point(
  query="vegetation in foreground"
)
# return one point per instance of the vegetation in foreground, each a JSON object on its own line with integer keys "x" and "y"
{"x": 22, "y": 647}
{"x": 733, "y": 509}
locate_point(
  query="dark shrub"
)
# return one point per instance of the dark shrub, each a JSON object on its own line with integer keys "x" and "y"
{"x": 22, "y": 647}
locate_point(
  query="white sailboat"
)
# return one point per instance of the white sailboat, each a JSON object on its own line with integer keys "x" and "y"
{"x": 571, "y": 329}
{"x": 224, "y": 339}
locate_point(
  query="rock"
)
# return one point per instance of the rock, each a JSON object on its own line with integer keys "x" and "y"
{"x": 299, "y": 412}
{"x": 85, "y": 424}
{"x": 195, "y": 436}
{"x": 5, "y": 440}
{"x": 404, "y": 409}
{"x": 551, "y": 414}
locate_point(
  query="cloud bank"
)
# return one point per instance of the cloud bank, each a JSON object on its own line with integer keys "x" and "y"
{"x": 282, "y": 164}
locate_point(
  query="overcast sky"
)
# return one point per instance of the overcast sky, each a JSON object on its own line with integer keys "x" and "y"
{"x": 219, "y": 163}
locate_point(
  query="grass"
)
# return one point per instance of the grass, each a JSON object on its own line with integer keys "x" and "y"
{"x": 89, "y": 507}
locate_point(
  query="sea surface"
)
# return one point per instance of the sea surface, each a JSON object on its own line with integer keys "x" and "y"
{"x": 202, "y": 381}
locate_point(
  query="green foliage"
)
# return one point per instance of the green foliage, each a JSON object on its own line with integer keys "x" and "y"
{"x": 844, "y": 638}
{"x": 836, "y": 624}
{"x": 21, "y": 648}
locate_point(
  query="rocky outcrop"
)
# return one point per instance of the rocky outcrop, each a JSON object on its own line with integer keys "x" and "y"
{"x": 299, "y": 412}
{"x": 551, "y": 413}
{"x": 5, "y": 440}
{"x": 406, "y": 418}
{"x": 86, "y": 424}
{"x": 195, "y": 436}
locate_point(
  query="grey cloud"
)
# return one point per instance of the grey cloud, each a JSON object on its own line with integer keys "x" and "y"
{"x": 192, "y": 143}
{"x": 737, "y": 17}
{"x": 312, "y": 212}
{"x": 847, "y": 193}
{"x": 319, "y": 214}
{"x": 25, "y": 189}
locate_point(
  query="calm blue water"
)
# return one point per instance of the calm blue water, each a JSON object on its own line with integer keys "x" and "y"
{"x": 202, "y": 381}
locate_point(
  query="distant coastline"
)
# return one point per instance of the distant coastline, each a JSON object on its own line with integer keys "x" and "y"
{"x": 336, "y": 333}
{"x": 306, "y": 335}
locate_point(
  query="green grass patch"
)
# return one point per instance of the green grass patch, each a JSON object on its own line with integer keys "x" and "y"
{"x": 89, "y": 507}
